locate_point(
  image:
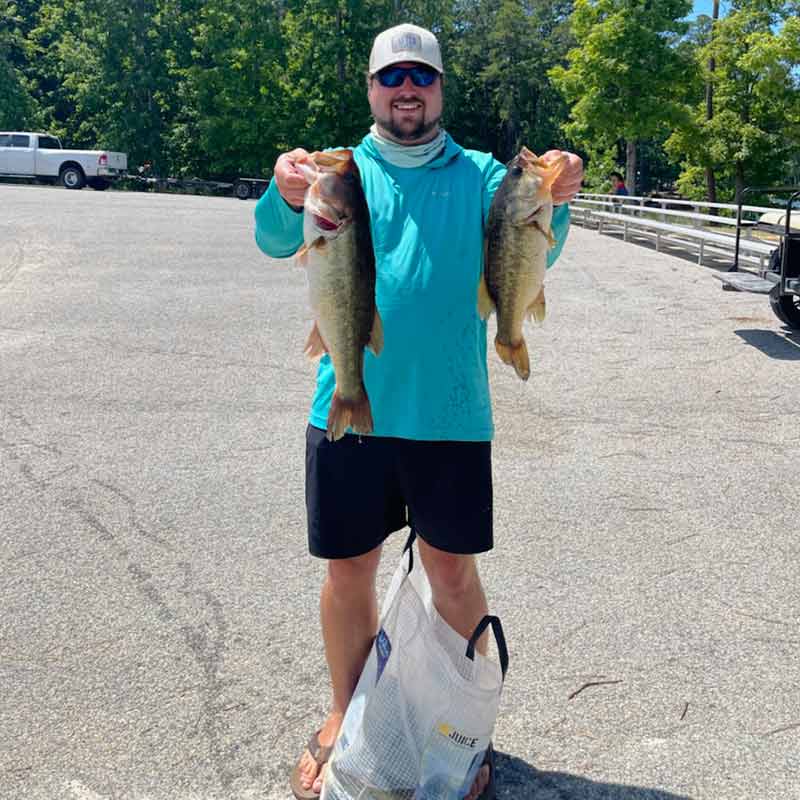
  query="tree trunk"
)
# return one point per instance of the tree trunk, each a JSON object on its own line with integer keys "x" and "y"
{"x": 510, "y": 138}
{"x": 739, "y": 180}
{"x": 340, "y": 57}
{"x": 341, "y": 50}
{"x": 630, "y": 165}
{"x": 711, "y": 182}
{"x": 711, "y": 188}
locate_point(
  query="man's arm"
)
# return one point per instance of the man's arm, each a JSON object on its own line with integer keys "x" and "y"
{"x": 559, "y": 227}
{"x": 279, "y": 227}
{"x": 279, "y": 212}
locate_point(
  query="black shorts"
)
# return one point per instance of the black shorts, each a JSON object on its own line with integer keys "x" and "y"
{"x": 360, "y": 489}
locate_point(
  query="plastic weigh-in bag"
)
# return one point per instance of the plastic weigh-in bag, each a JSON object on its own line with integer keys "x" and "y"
{"x": 423, "y": 712}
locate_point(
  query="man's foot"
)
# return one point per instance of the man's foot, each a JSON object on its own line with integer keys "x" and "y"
{"x": 310, "y": 770}
{"x": 312, "y": 773}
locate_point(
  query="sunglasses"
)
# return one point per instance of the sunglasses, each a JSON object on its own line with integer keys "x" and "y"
{"x": 392, "y": 77}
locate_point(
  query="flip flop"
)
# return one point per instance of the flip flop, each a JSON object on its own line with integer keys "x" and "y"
{"x": 320, "y": 754}
{"x": 488, "y": 792}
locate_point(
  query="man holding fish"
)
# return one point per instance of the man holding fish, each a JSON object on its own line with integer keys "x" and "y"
{"x": 393, "y": 238}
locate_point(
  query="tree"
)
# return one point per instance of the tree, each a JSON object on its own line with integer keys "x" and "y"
{"x": 624, "y": 76}
{"x": 711, "y": 183}
{"x": 18, "y": 109}
{"x": 231, "y": 112}
{"x": 498, "y": 94}
{"x": 102, "y": 75}
{"x": 755, "y": 127}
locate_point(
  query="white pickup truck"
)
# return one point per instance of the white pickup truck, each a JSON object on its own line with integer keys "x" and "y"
{"x": 40, "y": 156}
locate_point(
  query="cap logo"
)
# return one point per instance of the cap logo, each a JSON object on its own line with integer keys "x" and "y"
{"x": 406, "y": 41}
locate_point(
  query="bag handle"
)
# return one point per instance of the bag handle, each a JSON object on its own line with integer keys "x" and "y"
{"x": 497, "y": 629}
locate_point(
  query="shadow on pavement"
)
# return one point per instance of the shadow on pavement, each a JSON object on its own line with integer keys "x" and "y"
{"x": 519, "y": 780}
{"x": 783, "y": 347}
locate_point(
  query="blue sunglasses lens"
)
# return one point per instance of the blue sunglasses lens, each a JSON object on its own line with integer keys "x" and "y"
{"x": 392, "y": 77}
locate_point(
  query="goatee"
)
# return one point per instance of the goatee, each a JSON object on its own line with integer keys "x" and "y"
{"x": 404, "y": 135}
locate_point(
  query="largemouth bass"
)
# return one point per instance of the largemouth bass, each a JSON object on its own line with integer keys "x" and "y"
{"x": 338, "y": 256}
{"x": 517, "y": 240}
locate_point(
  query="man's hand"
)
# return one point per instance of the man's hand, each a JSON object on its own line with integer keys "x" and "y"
{"x": 568, "y": 183}
{"x": 291, "y": 183}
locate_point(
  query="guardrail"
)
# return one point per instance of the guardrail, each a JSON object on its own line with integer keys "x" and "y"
{"x": 676, "y": 223}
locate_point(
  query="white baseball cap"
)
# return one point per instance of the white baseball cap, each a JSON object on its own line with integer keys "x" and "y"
{"x": 405, "y": 43}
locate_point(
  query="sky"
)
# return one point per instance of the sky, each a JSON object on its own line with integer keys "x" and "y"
{"x": 702, "y": 7}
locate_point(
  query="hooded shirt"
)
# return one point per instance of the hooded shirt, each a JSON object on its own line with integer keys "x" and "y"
{"x": 431, "y": 380}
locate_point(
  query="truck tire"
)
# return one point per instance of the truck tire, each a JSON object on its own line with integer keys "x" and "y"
{"x": 242, "y": 190}
{"x": 785, "y": 307}
{"x": 72, "y": 177}
{"x": 99, "y": 184}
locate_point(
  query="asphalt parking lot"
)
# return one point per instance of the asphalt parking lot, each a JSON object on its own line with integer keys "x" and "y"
{"x": 159, "y": 636}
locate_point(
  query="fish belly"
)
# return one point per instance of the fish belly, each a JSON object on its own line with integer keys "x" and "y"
{"x": 518, "y": 274}
{"x": 336, "y": 298}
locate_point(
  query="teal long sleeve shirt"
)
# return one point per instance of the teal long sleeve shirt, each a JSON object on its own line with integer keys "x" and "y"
{"x": 431, "y": 380}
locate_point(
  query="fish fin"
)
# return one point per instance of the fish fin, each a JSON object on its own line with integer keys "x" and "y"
{"x": 547, "y": 233}
{"x": 315, "y": 346}
{"x": 538, "y": 308}
{"x": 551, "y": 169}
{"x": 344, "y": 414}
{"x": 338, "y": 161}
{"x": 516, "y": 355}
{"x": 485, "y": 303}
{"x": 308, "y": 170}
{"x": 376, "y": 335}
{"x": 301, "y": 256}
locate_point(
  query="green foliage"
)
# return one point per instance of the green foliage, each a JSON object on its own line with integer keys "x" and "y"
{"x": 623, "y": 78}
{"x": 324, "y": 87}
{"x": 498, "y": 84}
{"x": 218, "y": 89}
{"x": 600, "y": 164}
{"x": 18, "y": 109}
{"x": 229, "y": 108}
{"x": 756, "y": 124}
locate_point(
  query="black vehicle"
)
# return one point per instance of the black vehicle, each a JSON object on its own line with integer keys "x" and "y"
{"x": 780, "y": 279}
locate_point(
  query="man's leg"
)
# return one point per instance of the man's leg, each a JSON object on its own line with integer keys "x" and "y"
{"x": 349, "y": 614}
{"x": 459, "y": 598}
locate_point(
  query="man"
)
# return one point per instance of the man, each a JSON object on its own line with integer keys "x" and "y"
{"x": 428, "y": 462}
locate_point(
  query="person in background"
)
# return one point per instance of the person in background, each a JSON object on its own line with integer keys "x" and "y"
{"x": 618, "y": 186}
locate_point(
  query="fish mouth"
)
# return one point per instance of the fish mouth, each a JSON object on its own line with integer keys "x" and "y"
{"x": 326, "y": 218}
{"x": 325, "y": 224}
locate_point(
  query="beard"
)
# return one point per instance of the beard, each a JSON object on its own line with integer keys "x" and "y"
{"x": 401, "y": 134}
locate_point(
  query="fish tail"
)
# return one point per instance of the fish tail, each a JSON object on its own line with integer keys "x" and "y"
{"x": 346, "y": 413}
{"x": 516, "y": 355}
